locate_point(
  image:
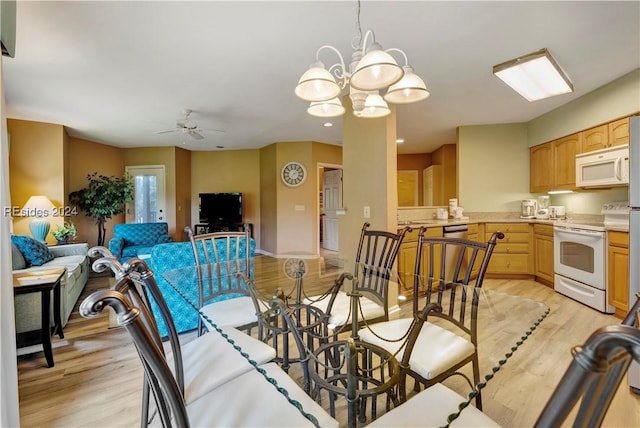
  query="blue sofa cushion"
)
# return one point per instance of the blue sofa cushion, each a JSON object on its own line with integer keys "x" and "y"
{"x": 17, "y": 261}
{"x": 35, "y": 253}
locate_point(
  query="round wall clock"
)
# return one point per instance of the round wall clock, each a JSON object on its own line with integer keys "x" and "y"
{"x": 293, "y": 174}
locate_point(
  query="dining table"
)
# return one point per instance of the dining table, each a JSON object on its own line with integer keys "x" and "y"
{"x": 504, "y": 323}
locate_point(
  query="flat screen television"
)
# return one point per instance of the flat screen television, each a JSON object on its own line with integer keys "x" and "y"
{"x": 223, "y": 208}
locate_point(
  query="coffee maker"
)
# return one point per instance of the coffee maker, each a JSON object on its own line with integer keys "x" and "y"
{"x": 529, "y": 208}
{"x": 543, "y": 208}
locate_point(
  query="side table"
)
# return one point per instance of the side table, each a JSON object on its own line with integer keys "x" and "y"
{"x": 44, "y": 281}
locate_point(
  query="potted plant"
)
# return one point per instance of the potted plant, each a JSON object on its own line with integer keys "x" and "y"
{"x": 103, "y": 198}
{"x": 65, "y": 232}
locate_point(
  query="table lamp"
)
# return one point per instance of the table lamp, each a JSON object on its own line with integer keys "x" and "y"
{"x": 39, "y": 207}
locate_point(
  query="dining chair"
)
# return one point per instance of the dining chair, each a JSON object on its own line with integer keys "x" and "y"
{"x": 199, "y": 365}
{"x": 224, "y": 298}
{"x": 585, "y": 390}
{"x": 262, "y": 396}
{"x": 375, "y": 258}
{"x": 430, "y": 352}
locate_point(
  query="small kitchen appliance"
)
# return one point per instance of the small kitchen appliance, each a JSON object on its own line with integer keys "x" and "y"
{"x": 453, "y": 204}
{"x": 557, "y": 212}
{"x": 543, "y": 208}
{"x": 529, "y": 208}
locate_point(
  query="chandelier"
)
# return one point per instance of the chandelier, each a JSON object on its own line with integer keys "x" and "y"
{"x": 372, "y": 72}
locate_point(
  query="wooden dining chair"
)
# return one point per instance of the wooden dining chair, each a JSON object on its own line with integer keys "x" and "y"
{"x": 430, "y": 352}
{"x": 224, "y": 298}
{"x": 585, "y": 390}
{"x": 375, "y": 259}
{"x": 201, "y": 364}
{"x": 243, "y": 399}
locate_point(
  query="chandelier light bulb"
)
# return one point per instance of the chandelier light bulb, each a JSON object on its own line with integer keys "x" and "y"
{"x": 330, "y": 108}
{"x": 317, "y": 84}
{"x": 409, "y": 89}
{"x": 376, "y": 70}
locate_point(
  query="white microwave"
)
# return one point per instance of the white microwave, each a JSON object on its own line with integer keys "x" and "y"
{"x": 603, "y": 168}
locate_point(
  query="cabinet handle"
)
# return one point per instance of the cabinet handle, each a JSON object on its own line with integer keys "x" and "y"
{"x": 508, "y": 249}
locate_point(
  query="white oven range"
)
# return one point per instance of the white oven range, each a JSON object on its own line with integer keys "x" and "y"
{"x": 580, "y": 264}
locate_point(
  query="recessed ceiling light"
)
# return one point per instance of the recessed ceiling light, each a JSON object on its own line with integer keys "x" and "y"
{"x": 399, "y": 140}
{"x": 327, "y": 124}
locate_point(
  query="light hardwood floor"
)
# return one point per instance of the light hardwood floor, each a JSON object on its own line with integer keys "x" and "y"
{"x": 97, "y": 378}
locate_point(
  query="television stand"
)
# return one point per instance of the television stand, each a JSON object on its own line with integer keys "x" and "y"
{"x": 201, "y": 228}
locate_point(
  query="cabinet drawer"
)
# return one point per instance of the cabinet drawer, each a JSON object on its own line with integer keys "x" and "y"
{"x": 511, "y": 237}
{"x": 620, "y": 239}
{"x": 509, "y": 263}
{"x": 472, "y": 229}
{"x": 512, "y": 247}
{"x": 507, "y": 227}
{"x": 543, "y": 229}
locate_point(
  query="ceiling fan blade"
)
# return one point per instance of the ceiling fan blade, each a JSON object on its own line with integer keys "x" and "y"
{"x": 167, "y": 131}
{"x": 195, "y": 135}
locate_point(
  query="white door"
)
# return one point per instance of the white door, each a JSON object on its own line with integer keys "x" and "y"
{"x": 149, "y": 198}
{"x": 332, "y": 201}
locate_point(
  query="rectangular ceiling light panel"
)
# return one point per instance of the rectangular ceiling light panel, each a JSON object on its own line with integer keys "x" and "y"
{"x": 534, "y": 76}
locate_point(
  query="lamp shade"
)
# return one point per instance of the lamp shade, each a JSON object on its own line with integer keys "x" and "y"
{"x": 409, "y": 89}
{"x": 534, "y": 76}
{"x": 40, "y": 207}
{"x": 317, "y": 84}
{"x": 376, "y": 70}
{"x": 330, "y": 108}
{"x": 374, "y": 106}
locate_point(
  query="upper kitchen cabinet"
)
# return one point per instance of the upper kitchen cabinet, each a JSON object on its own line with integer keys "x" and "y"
{"x": 552, "y": 165}
{"x": 564, "y": 158}
{"x": 615, "y": 133}
{"x": 540, "y": 172}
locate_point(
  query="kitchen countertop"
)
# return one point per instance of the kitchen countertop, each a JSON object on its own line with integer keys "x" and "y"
{"x": 415, "y": 224}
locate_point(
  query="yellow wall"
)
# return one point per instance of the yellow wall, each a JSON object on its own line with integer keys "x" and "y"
{"x": 36, "y": 167}
{"x": 446, "y": 156}
{"x": 87, "y": 157}
{"x": 183, "y": 192}
{"x": 269, "y": 177}
{"x": 228, "y": 171}
{"x": 493, "y": 165}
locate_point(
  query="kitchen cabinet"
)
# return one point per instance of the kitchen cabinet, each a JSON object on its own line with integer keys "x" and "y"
{"x": 611, "y": 134}
{"x": 543, "y": 253}
{"x": 407, "y": 259}
{"x": 595, "y": 139}
{"x": 540, "y": 168}
{"x": 511, "y": 255}
{"x": 618, "y": 268}
{"x": 564, "y": 162}
{"x": 552, "y": 165}
{"x": 432, "y": 186}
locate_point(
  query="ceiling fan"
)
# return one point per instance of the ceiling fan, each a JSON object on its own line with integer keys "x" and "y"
{"x": 186, "y": 127}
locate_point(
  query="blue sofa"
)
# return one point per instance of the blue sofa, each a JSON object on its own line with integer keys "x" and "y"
{"x": 136, "y": 239}
{"x": 176, "y": 255}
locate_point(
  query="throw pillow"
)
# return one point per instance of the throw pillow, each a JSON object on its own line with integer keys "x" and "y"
{"x": 35, "y": 253}
{"x": 17, "y": 261}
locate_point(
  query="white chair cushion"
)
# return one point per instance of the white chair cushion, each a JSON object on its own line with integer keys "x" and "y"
{"x": 235, "y": 312}
{"x": 210, "y": 361}
{"x": 251, "y": 401}
{"x": 430, "y": 408}
{"x": 341, "y": 308}
{"x": 436, "y": 349}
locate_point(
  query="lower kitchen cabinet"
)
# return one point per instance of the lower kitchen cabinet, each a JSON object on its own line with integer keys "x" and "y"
{"x": 511, "y": 255}
{"x": 543, "y": 253}
{"x": 618, "y": 268}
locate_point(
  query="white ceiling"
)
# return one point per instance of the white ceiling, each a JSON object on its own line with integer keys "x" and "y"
{"x": 118, "y": 72}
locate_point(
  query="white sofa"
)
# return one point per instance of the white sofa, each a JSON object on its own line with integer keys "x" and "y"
{"x": 27, "y": 306}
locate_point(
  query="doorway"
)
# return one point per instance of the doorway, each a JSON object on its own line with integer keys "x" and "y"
{"x": 329, "y": 203}
{"x": 148, "y": 205}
